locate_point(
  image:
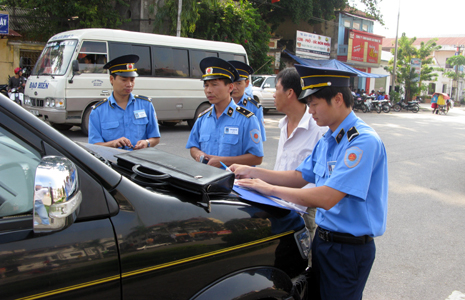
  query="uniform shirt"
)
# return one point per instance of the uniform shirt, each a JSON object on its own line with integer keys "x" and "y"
{"x": 257, "y": 109}
{"x": 351, "y": 160}
{"x": 108, "y": 121}
{"x": 232, "y": 134}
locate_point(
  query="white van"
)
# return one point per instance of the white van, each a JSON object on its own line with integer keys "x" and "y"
{"x": 69, "y": 77}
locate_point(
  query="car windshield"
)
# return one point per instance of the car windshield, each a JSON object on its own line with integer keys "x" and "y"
{"x": 257, "y": 81}
{"x": 55, "y": 58}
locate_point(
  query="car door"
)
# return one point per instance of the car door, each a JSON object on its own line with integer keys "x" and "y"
{"x": 80, "y": 260}
{"x": 269, "y": 88}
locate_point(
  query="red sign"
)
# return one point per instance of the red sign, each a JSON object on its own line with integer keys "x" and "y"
{"x": 365, "y": 47}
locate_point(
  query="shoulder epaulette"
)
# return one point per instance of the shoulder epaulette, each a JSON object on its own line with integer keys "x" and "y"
{"x": 99, "y": 103}
{"x": 244, "y": 111}
{"x": 254, "y": 102}
{"x": 143, "y": 98}
{"x": 205, "y": 111}
{"x": 352, "y": 133}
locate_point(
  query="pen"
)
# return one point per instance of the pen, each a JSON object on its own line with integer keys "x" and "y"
{"x": 225, "y": 167}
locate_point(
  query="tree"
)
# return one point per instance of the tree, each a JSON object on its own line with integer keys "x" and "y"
{"x": 226, "y": 21}
{"x": 455, "y": 62}
{"x": 405, "y": 74}
{"x": 311, "y": 11}
{"x": 238, "y": 23}
{"x": 49, "y": 17}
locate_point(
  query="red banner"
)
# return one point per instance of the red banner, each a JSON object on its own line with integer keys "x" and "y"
{"x": 365, "y": 47}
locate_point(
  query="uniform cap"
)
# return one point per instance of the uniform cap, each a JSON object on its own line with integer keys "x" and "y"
{"x": 215, "y": 68}
{"x": 123, "y": 65}
{"x": 243, "y": 69}
{"x": 314, "y": 79}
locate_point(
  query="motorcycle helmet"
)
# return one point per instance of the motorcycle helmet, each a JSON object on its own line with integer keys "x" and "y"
{"x": 17, "y": 70}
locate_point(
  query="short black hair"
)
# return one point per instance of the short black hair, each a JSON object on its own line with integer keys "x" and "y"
{"x": 290, "y": 79}
{"x": 330, "y": 92}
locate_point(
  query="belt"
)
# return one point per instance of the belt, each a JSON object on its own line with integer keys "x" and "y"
{"x": 343, "y": 238}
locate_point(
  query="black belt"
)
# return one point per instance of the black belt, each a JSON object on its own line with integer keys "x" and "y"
{"x": 343, "y": 238}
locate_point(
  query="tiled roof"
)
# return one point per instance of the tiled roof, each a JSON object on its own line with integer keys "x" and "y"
{"x": 354, "y": 11}
{"x": 443, "y": 41}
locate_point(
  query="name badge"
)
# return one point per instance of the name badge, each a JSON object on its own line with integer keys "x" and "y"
{"x": 140, "y": 114}
{"x": 331, "y": 166}
{"x": 231, "y": 130}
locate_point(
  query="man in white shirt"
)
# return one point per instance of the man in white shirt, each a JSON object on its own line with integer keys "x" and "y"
{"x": 299, "y": 132}
{"x": 39, "y": 194}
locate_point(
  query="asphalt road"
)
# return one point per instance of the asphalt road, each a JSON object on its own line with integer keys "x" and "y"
{"x": 422, "y": 253}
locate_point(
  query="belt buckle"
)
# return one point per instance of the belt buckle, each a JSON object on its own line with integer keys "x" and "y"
{"x": 324, "y": 235}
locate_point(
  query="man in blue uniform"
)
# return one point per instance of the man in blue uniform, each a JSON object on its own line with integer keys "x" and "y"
{"x": 124, "y": 120}
{"x": 349, "y": 167}
{"x": 242, "y": 98}
{"x": 225, "y": 132}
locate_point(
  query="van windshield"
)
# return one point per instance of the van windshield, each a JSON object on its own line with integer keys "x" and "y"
{"x": 55, "y": 58}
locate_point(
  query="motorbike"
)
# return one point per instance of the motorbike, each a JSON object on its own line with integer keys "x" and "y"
{"x": 385, "y": 105}
{"x": 410, "y": 105}
{"x": 372, "y": 104}
{"x": 16, "y": 96}
{"x": 359, "y": 104}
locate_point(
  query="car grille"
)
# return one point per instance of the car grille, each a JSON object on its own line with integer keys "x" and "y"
{"x": 37, "y": 102}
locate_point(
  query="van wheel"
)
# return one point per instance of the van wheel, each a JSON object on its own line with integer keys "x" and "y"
{"x": 85, "y": 120}
{"x": 202, "y": 107}
{"x": 61, "y": 126}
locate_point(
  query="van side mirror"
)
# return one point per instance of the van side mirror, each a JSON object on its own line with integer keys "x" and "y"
{"x": 75, "y": 66}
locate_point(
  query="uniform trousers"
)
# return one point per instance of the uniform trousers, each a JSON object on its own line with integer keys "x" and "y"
{"x": 340, "y": 270}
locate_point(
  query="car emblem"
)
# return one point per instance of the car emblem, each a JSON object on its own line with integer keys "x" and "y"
{"x": 35, "y": 93}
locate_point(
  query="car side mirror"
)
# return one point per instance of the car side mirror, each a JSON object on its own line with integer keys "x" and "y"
{"x": 57, "y": 196}
{"x": 75, "y": 66}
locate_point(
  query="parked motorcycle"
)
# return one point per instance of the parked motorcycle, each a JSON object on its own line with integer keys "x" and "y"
{"x": 385, "y": 105}
{"x": 372, "y": 104}
{"x": 410, "y": 105}
{"x": 359, "y": 104}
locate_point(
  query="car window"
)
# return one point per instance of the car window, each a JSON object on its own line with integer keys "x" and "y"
{"x": 18, "y": 163}
{"x": 257, "y": 81}
{"x": 271, "y": 82}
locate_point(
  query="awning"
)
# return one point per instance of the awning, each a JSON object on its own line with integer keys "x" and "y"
{"x": 333, "y": 64}
{"x": 11, "y": 33}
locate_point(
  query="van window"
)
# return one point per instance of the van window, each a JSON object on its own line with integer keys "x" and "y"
{"x": 169, "y": 62}
{"x": 144, "y": 65}
{"x": 196, "y": 57}
{"x": 231, "y": 56}
{"x": 92, "y": 57}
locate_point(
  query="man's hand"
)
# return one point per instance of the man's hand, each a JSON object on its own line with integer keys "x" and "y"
{"x": 121, "y": 142}
{"x": 256, "y": 184}
{"x": 141, "y": 144}
{"x": 241, "y": 171}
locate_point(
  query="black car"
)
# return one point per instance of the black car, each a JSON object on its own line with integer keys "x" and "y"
{"x": 72, "y": 225}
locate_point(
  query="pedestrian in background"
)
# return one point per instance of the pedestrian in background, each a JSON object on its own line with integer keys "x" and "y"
{"x": 124, "y": 120}
{"x": 349, "y": 168}
{"x": 434, "y": 102}
{"x": 224, "y": 133}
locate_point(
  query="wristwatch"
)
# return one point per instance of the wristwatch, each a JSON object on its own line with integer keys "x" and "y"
{"x": 148, "y": 143}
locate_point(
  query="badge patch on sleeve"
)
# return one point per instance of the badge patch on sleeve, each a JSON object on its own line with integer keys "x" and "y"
{"x": 255, "y": 135}
{"x": 352, "y": 157}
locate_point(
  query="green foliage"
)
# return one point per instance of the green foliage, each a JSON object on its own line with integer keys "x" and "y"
{"x": 455, "y": 61}
{"x": 405, "y": 74}
{"x": 166, "y": 19}
{"x": 49, "y": 17}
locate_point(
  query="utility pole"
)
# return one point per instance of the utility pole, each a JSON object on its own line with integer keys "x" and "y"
{"x": 178, "y": 29}
{"x": 394, "y": 70}
{"x": 459, "y": 50}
